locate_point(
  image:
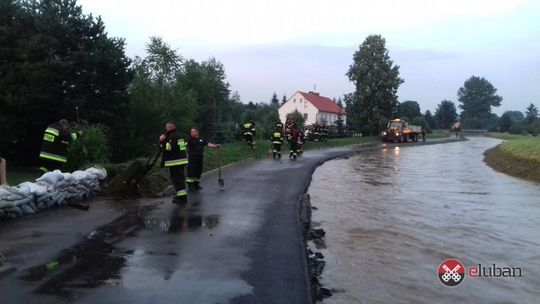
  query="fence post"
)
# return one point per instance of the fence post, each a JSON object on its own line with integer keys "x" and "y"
{"x": 2, "y": 171}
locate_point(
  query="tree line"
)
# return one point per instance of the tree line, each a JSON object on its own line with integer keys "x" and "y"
{"x": 376, "y": 79}
{"x": 57, "y": 62}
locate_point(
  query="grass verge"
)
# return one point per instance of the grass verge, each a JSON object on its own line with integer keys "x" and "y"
{"x": 518, "y": 156}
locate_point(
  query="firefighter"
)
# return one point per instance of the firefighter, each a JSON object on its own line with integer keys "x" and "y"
{"x": 277, "y": 141}
{"x": 248, "y": 130}
{"x": 175, "y": 158}
{"x": 195, "y": 147}
{"x": 293, "y": 143}
{"x": 279, "y": 126}
{"x": 54, "y": 149}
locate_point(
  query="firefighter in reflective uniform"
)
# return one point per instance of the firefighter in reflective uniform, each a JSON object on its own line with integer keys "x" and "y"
{"x": 277, "y": 142}
{"x": 175, "y": 158}
{"x": 279, "y": 126}
{"x": 195, "y": 147}
{"x": 248, "y": 131}
{"x": 293, "y": 138}
{"x": 54, "y": 149}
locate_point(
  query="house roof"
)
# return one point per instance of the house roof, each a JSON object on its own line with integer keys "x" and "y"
{"x": 323, "y": 104}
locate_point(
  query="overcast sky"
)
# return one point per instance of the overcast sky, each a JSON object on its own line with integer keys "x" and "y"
{"x": 290, "y": 45}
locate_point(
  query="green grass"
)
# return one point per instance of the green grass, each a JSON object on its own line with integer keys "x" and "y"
{"x": 17, "y": 175}
{"x": 519, "y": 155}
{"x": 436, "y": 135}
{"x": 508, "y": 136}
{"x": 525, "y": 148}
{"x": 239, "y": 151}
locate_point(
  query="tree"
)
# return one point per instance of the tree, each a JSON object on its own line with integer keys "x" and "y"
{"x": 409, "y": 110}
{"x": 376, "y": 81}
{"x": 340, "y": 127}
{"x": 57, "y": 59}
{"x": 157, "y": 94}
{"x": 430, "y": 120}
{"x": 477, "y": 96}
{"x": 297, "y": 117}
{"x": 284, "y": 99}
{"x": 420, "y": 121}
{"x": 445, "y": 114}
{"x": 274, "y": 100}
{"x": 531, "y": 114}
{"x": 505, "y": 123}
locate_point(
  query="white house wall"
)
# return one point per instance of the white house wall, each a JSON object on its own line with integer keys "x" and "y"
{"x": 298, "y": 102}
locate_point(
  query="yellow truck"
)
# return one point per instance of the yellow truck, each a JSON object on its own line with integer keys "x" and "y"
{"x": 398, "y": 130}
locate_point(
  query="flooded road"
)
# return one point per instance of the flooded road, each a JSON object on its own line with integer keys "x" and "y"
{"x": 393, "y": 216}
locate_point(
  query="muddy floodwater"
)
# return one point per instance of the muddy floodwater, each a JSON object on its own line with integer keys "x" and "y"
{"x": 392, "y": 216}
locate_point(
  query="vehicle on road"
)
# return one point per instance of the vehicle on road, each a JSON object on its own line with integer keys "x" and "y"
{"x": 399, "y": 130}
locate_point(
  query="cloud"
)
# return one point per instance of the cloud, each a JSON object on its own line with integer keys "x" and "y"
{"x": 260, "y": 22}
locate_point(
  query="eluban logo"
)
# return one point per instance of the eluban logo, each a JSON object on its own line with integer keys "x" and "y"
{"x": 451, "y": 272}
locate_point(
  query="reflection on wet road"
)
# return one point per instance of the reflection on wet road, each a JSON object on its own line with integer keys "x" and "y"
{"x": 392, "y": 216}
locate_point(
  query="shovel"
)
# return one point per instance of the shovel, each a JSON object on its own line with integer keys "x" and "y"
{"x": 221, "y": 182}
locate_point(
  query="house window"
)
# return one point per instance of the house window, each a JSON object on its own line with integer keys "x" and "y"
{"x": 305, "y": 116}
{"x": 294, "y": 100}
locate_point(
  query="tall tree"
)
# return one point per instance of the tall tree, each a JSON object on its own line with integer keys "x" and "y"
{"x": 376, "y": 81}
{"x": 156, "y": 96}
{"x": 531, "y": 114}
{"x": 274, "y": 100}
{"x": 430, "y": 120}
{"x": 445, "y": 114}
{"x": 476, "y": 98}
{"x": 284, "y": 99}
{"x": 57, "y": 59}
{"x": 409, "y": 109}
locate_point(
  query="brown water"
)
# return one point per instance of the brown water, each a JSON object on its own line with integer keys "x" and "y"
{"x": 393, "y": 216}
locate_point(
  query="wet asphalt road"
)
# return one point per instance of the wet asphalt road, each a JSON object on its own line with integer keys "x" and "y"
{"x": 241, "y": 245}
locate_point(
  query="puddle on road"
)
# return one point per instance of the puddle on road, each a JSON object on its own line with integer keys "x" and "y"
{"x": 97, "y": 261}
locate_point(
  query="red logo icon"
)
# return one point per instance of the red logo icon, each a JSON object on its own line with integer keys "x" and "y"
{"x": 451, "y": 272}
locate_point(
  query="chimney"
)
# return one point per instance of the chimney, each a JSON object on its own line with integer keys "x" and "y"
{"x": 314, "y": 93}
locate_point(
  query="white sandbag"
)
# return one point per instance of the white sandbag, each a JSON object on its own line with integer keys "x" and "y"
{"x": 24, "y": 201}
{"x": 100, "y": 173}
{"x": 6, "y": 204}
{"x": 27, "y": 209}
{"x": 33, "y": 188}
{"x": 80, "y": 175}
{"x": 14, "y": 197}
{"x": 4, "y": 192}
{"x": 52, "y": 178}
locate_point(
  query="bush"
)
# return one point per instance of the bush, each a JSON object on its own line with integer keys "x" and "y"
{"x": 91, "y": 148}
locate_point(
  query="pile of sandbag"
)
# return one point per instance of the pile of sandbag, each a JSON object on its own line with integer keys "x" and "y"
{"x": 52, "y": 189}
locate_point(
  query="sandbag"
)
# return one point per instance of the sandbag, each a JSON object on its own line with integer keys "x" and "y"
{"x": 51, "y": 177}
{"x": 51, "y": 189}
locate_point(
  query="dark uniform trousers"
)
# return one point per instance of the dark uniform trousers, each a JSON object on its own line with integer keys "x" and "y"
{"x": 178, "y": 181}
{"x": 194, "y": 169}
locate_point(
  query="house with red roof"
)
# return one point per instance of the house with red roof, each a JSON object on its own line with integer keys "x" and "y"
{"x": 316, "y": 109}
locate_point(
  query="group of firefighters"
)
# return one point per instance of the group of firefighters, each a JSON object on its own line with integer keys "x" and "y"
{"x": 179, "y": 153}
{"x": 290, "y": 132}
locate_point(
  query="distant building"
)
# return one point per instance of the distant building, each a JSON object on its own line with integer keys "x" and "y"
{"x": 315, "y": 108}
